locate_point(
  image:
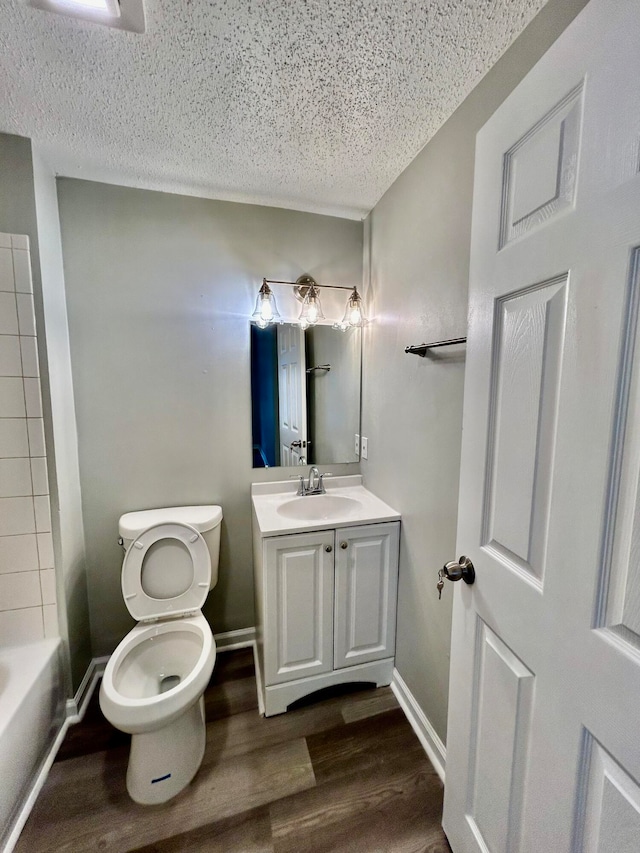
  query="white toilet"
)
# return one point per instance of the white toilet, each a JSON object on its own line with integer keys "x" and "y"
{"x": 153, "y": 683}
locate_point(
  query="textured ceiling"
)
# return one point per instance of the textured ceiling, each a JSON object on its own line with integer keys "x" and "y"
{"x": 309, "y": 104}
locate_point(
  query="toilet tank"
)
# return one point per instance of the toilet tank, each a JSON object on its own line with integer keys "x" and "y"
{"x": 205, "y": 519}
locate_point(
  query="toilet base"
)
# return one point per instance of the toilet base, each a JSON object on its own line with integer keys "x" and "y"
{"x": 163, "y": 762}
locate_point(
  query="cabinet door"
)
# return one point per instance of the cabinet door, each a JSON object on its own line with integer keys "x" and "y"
{"x": 298, "y": 619}
{"x": 366, "y": 593}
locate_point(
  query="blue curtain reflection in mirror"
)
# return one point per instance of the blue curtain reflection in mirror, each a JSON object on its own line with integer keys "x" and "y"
{"x": 264, "y": 396}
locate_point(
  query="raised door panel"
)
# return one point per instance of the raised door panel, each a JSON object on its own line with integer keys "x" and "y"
{"x": 619, "y": 604}
{"x": 291, "y": 394}
{"x": 610, "y": 818}
{"x": 540, "y": 170}
{"x": 528, "y": 333}
{"x": 501, "y": 710}
{"x": 366, "y": 579}
{"x": 298, "y": 623}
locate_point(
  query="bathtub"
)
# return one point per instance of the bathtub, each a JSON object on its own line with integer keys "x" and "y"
{"x": 32, "y": 710}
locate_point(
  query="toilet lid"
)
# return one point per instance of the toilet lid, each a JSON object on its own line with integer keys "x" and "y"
{"x": 168, "y": 578}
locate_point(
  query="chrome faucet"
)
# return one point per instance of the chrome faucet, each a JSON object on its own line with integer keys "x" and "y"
{"x": 313, "y": 480}
{"x": 314, "y": 484}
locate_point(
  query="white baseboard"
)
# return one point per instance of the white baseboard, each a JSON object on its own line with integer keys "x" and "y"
{"x": 425, "y": 732}
{"x": 243, "y": 638}
{"x": 259, "y": 685}
{"x": 77, "y": 706}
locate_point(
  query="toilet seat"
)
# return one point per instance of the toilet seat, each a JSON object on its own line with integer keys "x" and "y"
{"x": 144, "y": 607}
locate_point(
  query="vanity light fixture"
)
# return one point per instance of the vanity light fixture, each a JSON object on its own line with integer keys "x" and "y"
{"x": 307, "y": 291}
{"x": 266, "y": 310}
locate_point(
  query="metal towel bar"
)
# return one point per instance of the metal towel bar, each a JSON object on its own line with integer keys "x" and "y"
{"x": 421, "y": 349}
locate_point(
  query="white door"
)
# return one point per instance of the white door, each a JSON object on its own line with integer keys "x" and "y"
{"x": 292, "y": 395}
{"x": 366, "y": 580}
{"x": 298, "y": 614}
{"x": 543, "y": 742}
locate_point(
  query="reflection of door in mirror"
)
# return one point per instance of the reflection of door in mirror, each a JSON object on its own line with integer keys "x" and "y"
{"x": 292, "y": 394}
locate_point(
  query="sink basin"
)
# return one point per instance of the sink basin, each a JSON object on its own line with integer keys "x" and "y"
{"x": 319, "y": 507}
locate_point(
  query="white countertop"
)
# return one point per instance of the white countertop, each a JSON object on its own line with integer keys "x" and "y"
{"x": 268, "y": 497}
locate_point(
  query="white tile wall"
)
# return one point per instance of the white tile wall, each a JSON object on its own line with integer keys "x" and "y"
{"x": 21, "y": 626}
{"x": 27, "y": 575}
{"x": 43, "y": 514}
{"x": 6, "y": 269}
{"x": 17, "y": 516}
{"x": 26, "y": 315}
{"x": 10, "y": 361}
{"x": 12, "y": 397}
{"x": 18, "y": 553}
{"x": 39, "y": 476}
{"x": 48, "y": 586}
{"x": 29, "y": 352}
{"x": 14, "y": 437}
{"x": 8, "y": 314}
{"x": 35, "y": 428}
{"x": 20, "y": 589}
{"x": 51, "y": 628}
{"x": 45, "y": 550}
{"x": 15, "y": 478}
{"x": 22, "y": 271}
{"x": 19, "y": 241}
{"x": 32, "y": 398}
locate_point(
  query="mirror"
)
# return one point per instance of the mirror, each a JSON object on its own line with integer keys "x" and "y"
{"x": 305, "y": 395}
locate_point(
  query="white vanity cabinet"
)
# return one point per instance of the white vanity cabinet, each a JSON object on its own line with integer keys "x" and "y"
{"x": 326, "y": 609}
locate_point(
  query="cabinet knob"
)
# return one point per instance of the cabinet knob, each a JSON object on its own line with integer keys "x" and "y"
{"x": 329, "y": 549}
{"x": 344, "y": 545}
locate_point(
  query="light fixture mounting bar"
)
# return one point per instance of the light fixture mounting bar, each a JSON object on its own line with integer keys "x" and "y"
{"x": 304, "y": 284}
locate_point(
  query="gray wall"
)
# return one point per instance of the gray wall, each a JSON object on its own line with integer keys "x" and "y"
{"x": 417, "y": 267}
{"x": 159, "y": 293}
{"x": 335, "y": 394}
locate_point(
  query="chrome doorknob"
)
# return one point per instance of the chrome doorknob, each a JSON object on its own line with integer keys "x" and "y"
{"x": 462, "y": 569}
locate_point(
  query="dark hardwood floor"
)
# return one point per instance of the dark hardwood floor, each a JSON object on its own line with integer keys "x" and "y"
{"x": 344, "y": 773}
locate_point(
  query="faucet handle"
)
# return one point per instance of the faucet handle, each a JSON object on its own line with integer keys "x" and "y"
{"x": 321, "y": 480}
{"x": 300, "y": 478}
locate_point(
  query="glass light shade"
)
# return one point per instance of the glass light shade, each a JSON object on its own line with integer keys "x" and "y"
{"x": 107, "y": 7}
{"x": 354, "y": 313}
{"x": 266, "y": 310}
{"x": 311, "y": 310}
